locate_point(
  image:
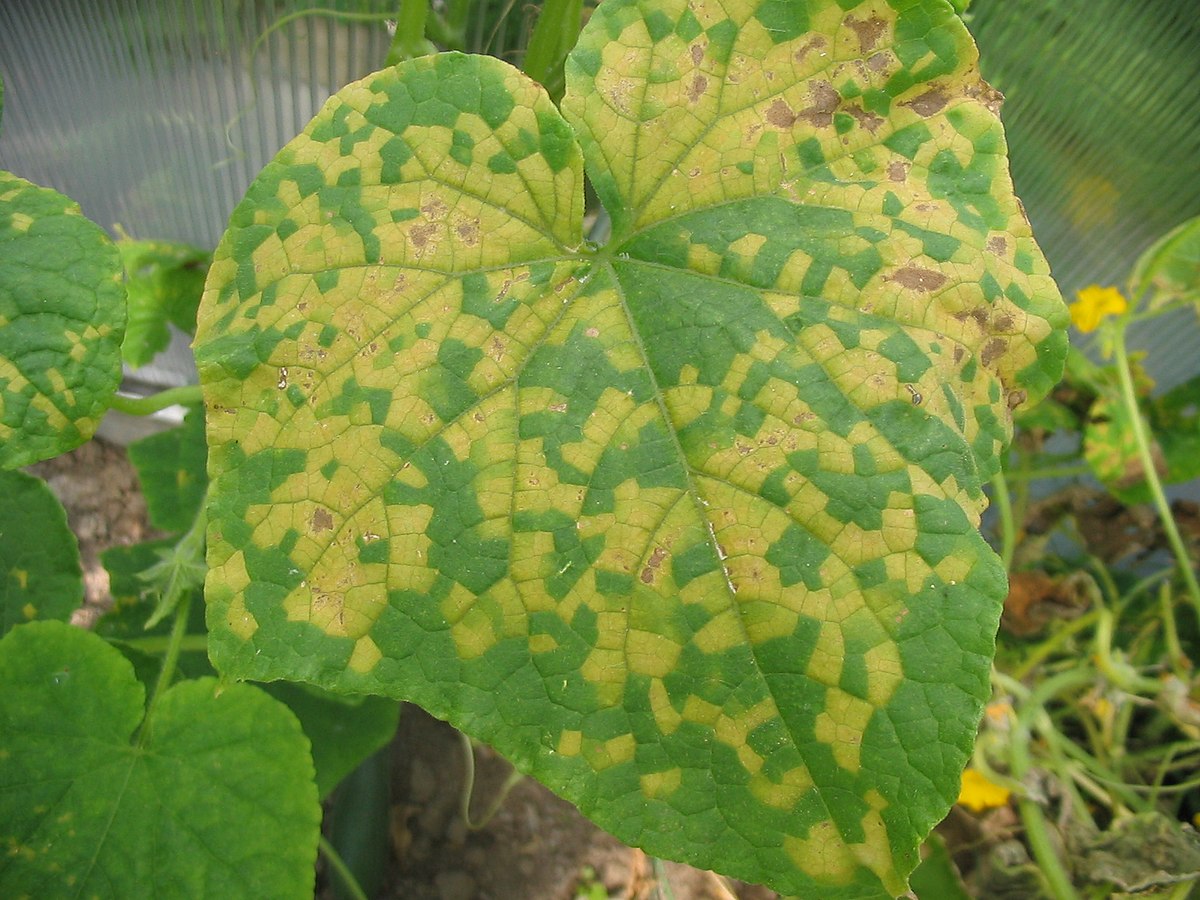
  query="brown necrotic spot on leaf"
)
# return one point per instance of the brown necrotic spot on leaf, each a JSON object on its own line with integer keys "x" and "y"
{"x": 697, "y": 88}
{"x": 824, "y": 102}
{"x": 868, "y": 31}
{"x": 897, "y": 171}
{"x": 877, "y": 62}
{"x": 322, "y": 520}
{"x": 917, "y": 279}
{"x": 992, "y": 350}
{"x": 976, "y": 315}
{"x": 929, "y": 103}
{"x": 987, "y": 95}
{"x": 468, "y": 232}
{"x": 816, "y": 42}
{"x": 867, "y": 120}
{"x": 1016, "y": 398}
{"x": 997, "y": 244}
{"x": 652, "y": 564}
{"x": 780, "y": 115}
{"x": 697, "y": 52}
{"x": 420, "y": 235}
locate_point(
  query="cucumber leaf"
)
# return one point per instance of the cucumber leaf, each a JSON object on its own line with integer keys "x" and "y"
{"x": 163, "y": 281}
{"x": 40, "y": 573}
{"x": 685, "y": 525}
{"x": 62, "y": 318}
{"x": 214, "y": 799}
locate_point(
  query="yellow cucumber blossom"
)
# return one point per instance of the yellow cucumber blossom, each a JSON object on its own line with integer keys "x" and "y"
{"x": 1094, "y": 303}
{"x": 978, "y": 793}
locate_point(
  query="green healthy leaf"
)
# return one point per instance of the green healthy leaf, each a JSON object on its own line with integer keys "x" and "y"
{"x": 686, "y": 526}
{"x": 1171, "y": 266}
{"x": 343, "y": 731}
{"x": 62, "y": 316}
{"x": 937, "y": 878}
{"x": 164, "y": 282}
{"x": 40, "y": 572}
{"x": 171, "y": 469}
{"x": 217, "y": 799}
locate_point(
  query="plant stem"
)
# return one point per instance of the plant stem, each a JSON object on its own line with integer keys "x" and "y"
{"x": 349, "y": 882}
{"x": 513, "y": 779}
{"x": 336, "y": 14}
{"x": 409, "y": 42}
{"x": 155, "y": 644}
{"x": 1118, "y": 672}
{"x": 457, "y": 12}
{"x": 662, "y": 879}
{"x": 1129, "y": 398}
{"x": 1047, "y": 647}
{"x": 170, "y": 660}
{"x": 187, "y": 395}
{"x": 1008, "y": 528}
{"x": 1037, "y": 831}
{"x": 1180, "y": 663}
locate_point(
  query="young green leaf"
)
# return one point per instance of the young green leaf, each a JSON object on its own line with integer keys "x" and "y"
{"x": 40, "y": 573}
{"x": 216, "y": 801}
{"x": 163, "y": 282}
{"x": 133, "y": 597}
{"x": 684, "y": 525}
{"x": 62, "y": 317}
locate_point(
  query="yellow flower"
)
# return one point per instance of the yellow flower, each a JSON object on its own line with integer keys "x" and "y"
{"x": 978, "y": 794}
{"x": 1094, "y": 303}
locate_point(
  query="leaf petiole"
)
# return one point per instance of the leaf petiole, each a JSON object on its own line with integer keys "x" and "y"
{"x": 349, "y": 882}
{"x": 167, "y": 673}
{"x": 410, "y": 41}
{"x": 187, "y": 395}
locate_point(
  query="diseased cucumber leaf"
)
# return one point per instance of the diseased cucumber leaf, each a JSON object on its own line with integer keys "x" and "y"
{"x": 1170, "y": 267}
{"x": 1173, "y": 422}
{"x": 684, "y": 525}
{"x": 40, "y": 573}
{"x": 62, "y": 317}
{"x": 163, "y": 282}
{"x": 215, "y": 799}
